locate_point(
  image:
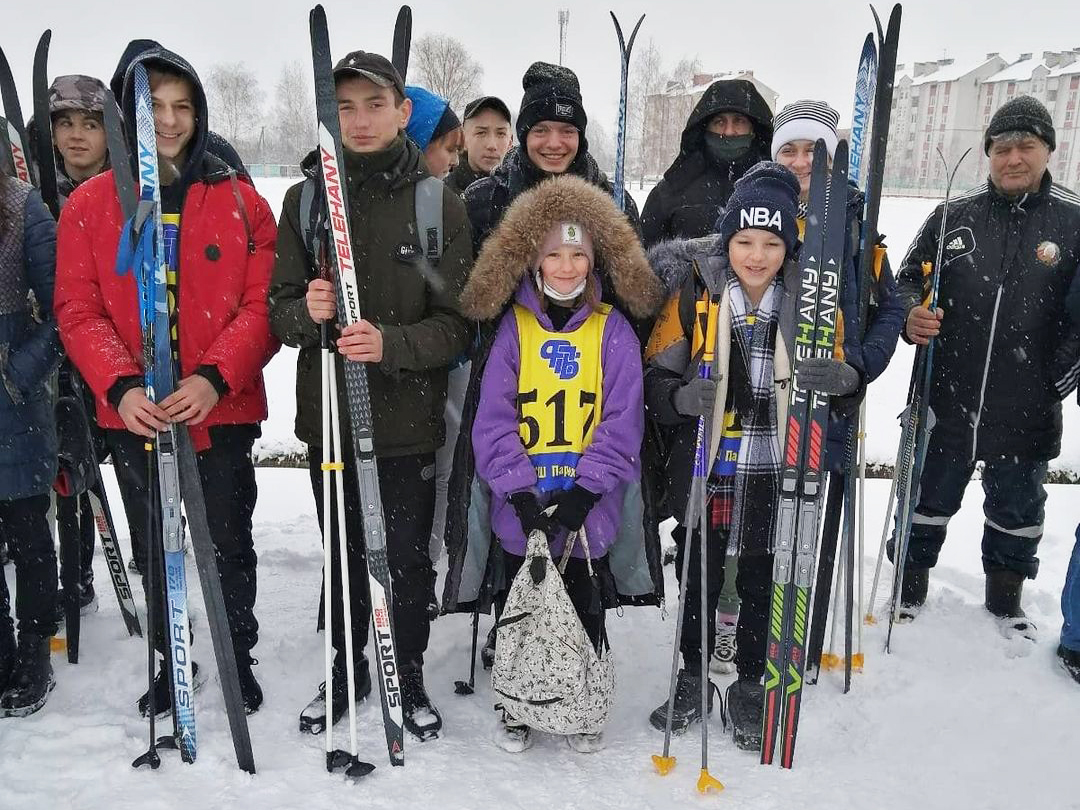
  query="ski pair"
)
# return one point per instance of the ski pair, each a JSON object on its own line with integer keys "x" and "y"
{"x": 172, "y": 466}
{"x": 799, "y": 510}
{"x": 844, "y": 513}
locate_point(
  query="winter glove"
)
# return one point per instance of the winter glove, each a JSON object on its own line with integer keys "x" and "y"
{"x": 573, "y": 505}
{"x": 530, "y": 514}
{"x": 833, "y": 377}
{"x": 695, "y": 398}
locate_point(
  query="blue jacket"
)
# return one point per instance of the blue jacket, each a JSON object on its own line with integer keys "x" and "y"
{"x": 29, "y": 347}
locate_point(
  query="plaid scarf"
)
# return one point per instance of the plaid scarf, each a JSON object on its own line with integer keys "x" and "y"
{"x": 757, "y": 472}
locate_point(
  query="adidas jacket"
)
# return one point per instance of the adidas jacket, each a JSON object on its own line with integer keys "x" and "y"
{"x": 1007, "y": 354}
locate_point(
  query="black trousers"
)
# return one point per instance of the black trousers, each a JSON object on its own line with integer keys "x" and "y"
{"x": 752, "y": 582}
{"x": 582, "y": 589}
{"x": 229, "y": 490}
{"x": 24, "y": 526}
{"x": 75, "y": 522}
{"x": 407, "y": 490}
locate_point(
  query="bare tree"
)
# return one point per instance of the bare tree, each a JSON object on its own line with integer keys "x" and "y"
{"x": 293, "y": 115}
{"x": 601, "y": 145}
{"x": 445, "y": 68}
{"x": 646, "y": 78}
{"x": 234, "y": 97}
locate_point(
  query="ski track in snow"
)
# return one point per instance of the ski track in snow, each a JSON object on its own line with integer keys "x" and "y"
{"x": 951, "y": 720}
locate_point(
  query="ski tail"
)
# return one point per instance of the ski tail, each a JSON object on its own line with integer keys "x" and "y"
{"x": 119, "y": 156}
{"x": 402, "y": 41}
{"x": 16, "y": 129}
{"x": 356, "y": 390}
{"x": 625, "y": 47}
{"x": 43, "y": 145}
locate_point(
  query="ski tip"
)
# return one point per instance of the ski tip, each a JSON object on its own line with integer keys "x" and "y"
{"x": 663, "y": 765}
{"x": 707, "y": 782}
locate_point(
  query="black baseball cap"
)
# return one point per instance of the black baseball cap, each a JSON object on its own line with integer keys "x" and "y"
{"x": 478, "y": 105}
{"x": 373, "y": 67}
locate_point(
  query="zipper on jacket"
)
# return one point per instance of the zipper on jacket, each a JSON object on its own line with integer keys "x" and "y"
{"x": 986, "y": 375}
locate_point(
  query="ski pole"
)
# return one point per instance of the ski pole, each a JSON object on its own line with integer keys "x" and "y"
{"x": 869, "y": 617}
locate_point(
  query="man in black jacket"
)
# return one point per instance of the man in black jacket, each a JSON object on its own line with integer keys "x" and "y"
{"x": 551, "y": 140}
{"x": 487, "y": 139}
{"x": 1004, "y": 356}
{"x": 729, "y": 131}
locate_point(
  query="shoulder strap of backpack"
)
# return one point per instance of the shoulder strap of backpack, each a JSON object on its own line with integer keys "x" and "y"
{"x": 312, "y": 220}
{"x": 429, "y": 217}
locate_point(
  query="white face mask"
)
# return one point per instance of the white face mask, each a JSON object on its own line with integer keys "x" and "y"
{"x": 554, "y": 294}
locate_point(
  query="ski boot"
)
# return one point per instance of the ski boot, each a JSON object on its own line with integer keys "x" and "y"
{"x": 1070, "y": 661}
{"x": 586, "y": 743}
{"x": 913, "y": 593}
{"x": 250, "y": 690}
{"x": 487, "y": 653}
{"x": 687, "y": 707}
{"x": 746, "y": 706}
{"x": 723, "y": 657}
{"x": 420, "y": 717}
{"x": 313, "y": 717}
{"x": 163, "y": 702}
{"x": 1004, "y": 588}
{"x": 510, "y": 735}
{"x": 31, "y": 679}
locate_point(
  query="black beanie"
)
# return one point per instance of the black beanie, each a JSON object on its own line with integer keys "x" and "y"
{"x": 767, "y": 198}
{"x": 1021, "y": 114}
{"x": 552, "y": 93}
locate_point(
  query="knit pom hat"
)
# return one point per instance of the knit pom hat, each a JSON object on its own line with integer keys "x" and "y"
{"x": 552, "y": 93}
{"x": 805, "y": 121}
{"x": 431, "y": 116}
{"x": 1022, "y": 114}
{"x": 766, "y": 198}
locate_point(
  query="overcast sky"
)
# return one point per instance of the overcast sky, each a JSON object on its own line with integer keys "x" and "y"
{"x": 800, "y": 49}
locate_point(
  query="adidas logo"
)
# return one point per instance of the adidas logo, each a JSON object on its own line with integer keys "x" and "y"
{"x": 956, "y": 244}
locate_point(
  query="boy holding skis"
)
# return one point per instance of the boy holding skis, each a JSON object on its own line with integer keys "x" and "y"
{"x": 219, "y": 243}
{"x": 750, "y": 269}
{"x": 410, "y": 334}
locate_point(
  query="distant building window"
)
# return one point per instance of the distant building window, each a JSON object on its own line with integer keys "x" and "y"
{"x": 1074, "y": 83}
{"x": 1051, "y": 95}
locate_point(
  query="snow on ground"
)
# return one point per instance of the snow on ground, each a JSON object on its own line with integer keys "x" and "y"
{"x": 901, "y": 218}
{"x": 952, "y": 719}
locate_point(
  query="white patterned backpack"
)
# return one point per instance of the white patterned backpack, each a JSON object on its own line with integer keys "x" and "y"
{"x": 547, "y": 673}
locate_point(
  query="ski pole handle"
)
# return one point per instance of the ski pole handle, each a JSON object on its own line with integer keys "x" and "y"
{"x": 710, "y": 335}
{"x": 927, "y": 271}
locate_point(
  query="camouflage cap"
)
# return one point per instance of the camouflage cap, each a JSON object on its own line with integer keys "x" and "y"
{"x": 76, "y": 92}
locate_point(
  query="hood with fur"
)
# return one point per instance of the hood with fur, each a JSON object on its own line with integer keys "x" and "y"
{"x": 510, "y": 250}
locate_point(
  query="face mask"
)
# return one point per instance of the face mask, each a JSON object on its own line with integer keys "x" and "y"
{"x": 554, "y": 294}
{"x": 726, "y": 148}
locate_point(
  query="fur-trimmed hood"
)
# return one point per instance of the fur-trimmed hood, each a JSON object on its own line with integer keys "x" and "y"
{"x": 673, "y": 262}
{"x": 511, "y": 249}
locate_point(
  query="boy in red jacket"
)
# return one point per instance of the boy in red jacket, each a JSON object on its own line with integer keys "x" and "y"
{"x": 219, "y": 245}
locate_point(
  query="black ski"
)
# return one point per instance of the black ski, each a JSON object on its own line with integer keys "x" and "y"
{"x": 119, "y": 156}
{"x": 402, "y": 41}
{"x": 42, "y": 134}
{"x": 356, "y": 390}
{"x": 626, "y": 46}
{"x": 23, "y": 167}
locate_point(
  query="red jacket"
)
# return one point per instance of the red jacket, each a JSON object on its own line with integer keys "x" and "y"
{"x": 222, "y": 295}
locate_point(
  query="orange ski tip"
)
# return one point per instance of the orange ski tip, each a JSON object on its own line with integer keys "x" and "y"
{"x": 857, "y": 661}
{"x": 664, "y": 765}
{"x": 706, "y": 782}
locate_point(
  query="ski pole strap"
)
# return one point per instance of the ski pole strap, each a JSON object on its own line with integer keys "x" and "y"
{"x": 927, "y": 270}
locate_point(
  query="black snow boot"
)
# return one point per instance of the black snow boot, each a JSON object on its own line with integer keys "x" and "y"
{"x": 746, "y": 707}
{"x": 313, "y": 717}
{"x": 163, "y": 702}
{"x": 8, "y": 655}
{"x": 31, "y": 680}
{"x": 487, "y": 653}
{"x": 1004, "y": 587}
{"x": 913, "y": 593}
{"x": 687, "y": 707}
{"x": 250, "y": 690}
{"x": 88, "y": 602}
{"x": 1070, "y": 661}
{"x": 421, "y": 718}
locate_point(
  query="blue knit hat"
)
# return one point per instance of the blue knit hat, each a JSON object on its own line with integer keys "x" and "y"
{"x": 431, "y": 116}
{"x": 766, "y": 198}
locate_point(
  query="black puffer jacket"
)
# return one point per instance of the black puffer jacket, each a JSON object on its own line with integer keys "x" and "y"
{"x": 685, "y": 204}
{"x": 1006, "y": 355}
{"x": 487, "y": 199}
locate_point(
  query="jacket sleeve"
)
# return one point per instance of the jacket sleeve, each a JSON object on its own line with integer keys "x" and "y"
{"x": 28, "y": 366}
{"x": 880, "y": 337}
{"x": 246, "y": 344}
{"x": 89, "y": 334}
{"x": 500, "y": 455}
{"x": 613, "y": 457}
{"x": 479, "y": 206}
{"x": 630, "y": 209}
{"x": 910, "y": 279}
{"x": 289, "y": 318}
{"x": 436, "y": 340}
{"x": 654, "y": 217}
{"x": 1072, "y": 299}
{"x": 667, "y": 356}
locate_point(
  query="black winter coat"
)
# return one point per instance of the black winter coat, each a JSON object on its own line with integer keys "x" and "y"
{"x": 686, "y": 203}
{"x": 1006, "y": 355}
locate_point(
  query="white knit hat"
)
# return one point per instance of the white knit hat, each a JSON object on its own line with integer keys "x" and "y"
{"x": 805, "y": 121}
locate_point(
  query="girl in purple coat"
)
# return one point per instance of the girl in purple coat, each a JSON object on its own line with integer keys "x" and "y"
{"x": 560, "y": 414}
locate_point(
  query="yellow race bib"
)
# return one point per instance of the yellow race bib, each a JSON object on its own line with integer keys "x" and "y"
{"x": 560, "y": 394}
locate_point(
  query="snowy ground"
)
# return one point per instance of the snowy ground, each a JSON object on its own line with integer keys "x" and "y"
{"x": 900, "y": 220}
{"x": 950, "y": 720}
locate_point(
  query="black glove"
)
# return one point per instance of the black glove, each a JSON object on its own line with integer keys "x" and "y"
{"x": 573, "y": 505}
{"x": 695, "y": 398}
{"x": 833, "y": 377}
{"x": 530, "y": 514}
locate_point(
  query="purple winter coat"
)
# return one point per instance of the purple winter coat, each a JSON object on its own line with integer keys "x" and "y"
{"x": 608, "y": 463}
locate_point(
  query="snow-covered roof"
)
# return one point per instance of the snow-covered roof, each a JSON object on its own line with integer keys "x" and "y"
{"x": 1064, "y": 70}
{"x": 1018, "y": 72}
{"x": 951, "y": 73}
